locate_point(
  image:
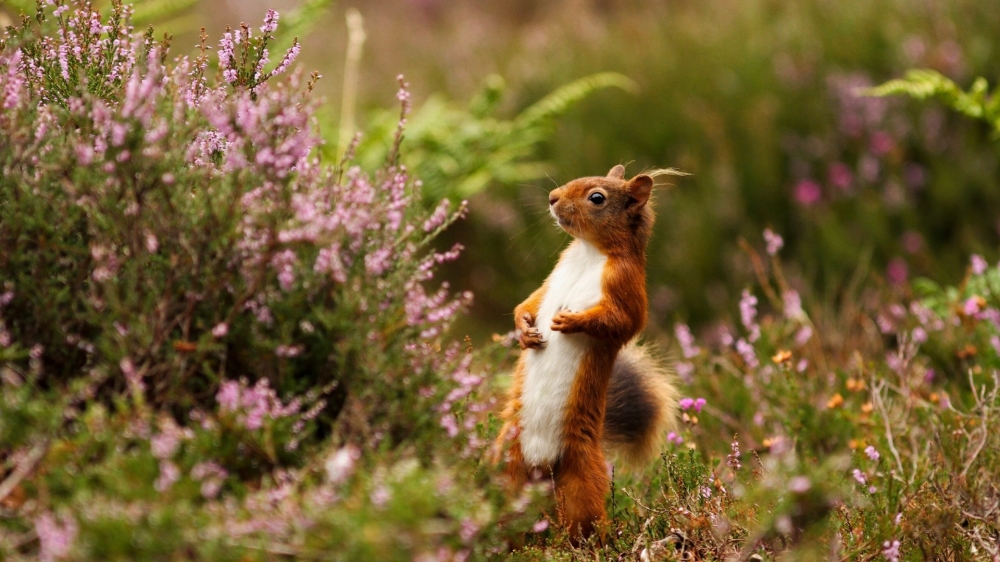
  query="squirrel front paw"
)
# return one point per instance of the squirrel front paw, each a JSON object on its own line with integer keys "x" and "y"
{"x": 528, "y": 336}
{"x": 566, "y": 322}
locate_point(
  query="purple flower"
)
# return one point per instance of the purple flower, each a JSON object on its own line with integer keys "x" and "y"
{"x": 799, "y": 484}
{"x": 840, "y": 176}
{"x": 979, "y": 265}
{"x": 340, "y": 465}
{"x": 686, "y": 341}
{"x": 55, "y": 537}
{"x": 748, "y": 353}
{"x": 748, "y": 314}
{"x": 872, "y": 453}
{"x": 891, "y": 550}
{"x": 897, "y": 272}
{"x": 270, "y": 22}
{"x": 972, "y": 305}
{"x": 807, "y": 193}
{"x": 793, "y": 304}
{"x": 859, "y": 476}
{"x": 774, "y": 242}
{"x": 220, "y": 330}
{"x": 674, "y": 438}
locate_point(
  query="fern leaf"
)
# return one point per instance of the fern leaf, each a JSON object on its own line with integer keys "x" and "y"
{"x": 977, "y": 102}
{"x": 559, "y": 101}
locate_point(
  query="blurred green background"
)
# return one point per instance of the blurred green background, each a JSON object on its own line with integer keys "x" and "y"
{"x": 758, "y": 99}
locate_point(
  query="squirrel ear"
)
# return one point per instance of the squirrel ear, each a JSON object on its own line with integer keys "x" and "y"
{"x": 618, "y": 172}
{"x": 639, "y": 188}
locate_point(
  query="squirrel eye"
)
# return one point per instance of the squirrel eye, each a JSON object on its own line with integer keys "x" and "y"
{"x": 596, "y": 198}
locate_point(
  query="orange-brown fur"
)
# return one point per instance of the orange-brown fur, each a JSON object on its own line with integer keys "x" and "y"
{"x": 620, "y": 229}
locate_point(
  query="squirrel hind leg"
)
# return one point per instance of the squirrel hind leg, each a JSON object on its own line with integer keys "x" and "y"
{"x": 641, "y": 407}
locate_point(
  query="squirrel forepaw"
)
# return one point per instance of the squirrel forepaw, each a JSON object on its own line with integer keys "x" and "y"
{"x": 531, "y": 339}
{"x": 566, "y": 322}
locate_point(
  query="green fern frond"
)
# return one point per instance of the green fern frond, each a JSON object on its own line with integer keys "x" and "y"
{"x": 559, "y": 101}
{"x": 977, "y": 102}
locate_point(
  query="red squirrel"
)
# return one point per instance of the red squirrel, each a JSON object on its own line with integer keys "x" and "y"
{"x": 582, "y": 387}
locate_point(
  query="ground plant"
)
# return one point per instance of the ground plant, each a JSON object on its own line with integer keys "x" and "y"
{"x": 218, "y": 344}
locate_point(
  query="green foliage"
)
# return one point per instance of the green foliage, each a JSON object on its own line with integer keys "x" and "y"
{"x": 978, "y": 102}
{"x": 459, "y": 152}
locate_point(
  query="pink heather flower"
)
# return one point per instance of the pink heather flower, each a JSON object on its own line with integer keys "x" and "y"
{"x": 897, "y": 271}
{"x": 774, "y": 242}
{"x": 270, "y": 22}
{"x": 290, "y": 55}
{"x": 891, "y": 550}
{"x": 881, "y": 143}
{"x": 132, "y": 376}
{"x": 674, "y": 438}
{"x": 919, "y": 335}
{"x": 971, "y": 306}
{"x": 840, "y": 176}
{"x": 699, "y": 403}
{"x": 36, "y": 351}
{"x": 55, "y": 537}
{"x": 978, "y": 264}
{"x": 685, "y": 403}
{"x": 793, "y": 304}
{"x": 540, "y": 526}
{"x": 859, "y": 476}
{"x": 872, "y": 453}
{"x": 748, "y": 353}
{"x": 733, "y": 459}
{"x": 799, "y": 484}
{"x": 380, "y": 496}
{"x": 438, "y": 217}
{"x": 803, "y": 335}
{"x": 169, "y": 474}
{"x": 152, "y": 244}
{"x": 748, "y": 314}
{"x": 450, "y": 424}
{"x": 164, "y": 445}
{"x": 378, "y": 262}
{"x": 686, "y": 341}
{"x": 220, "y": 330}
{"x": 288, "y": 350}
{"x": 685, "y": 370}
{"x": 340, "y": 465}
{"x": 211, "y": 476}
{"x": 228, "y": 396}
{"x": 807, "y": 193}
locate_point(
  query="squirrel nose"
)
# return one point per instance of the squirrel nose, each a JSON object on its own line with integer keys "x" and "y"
{"x": 553, "y": 198}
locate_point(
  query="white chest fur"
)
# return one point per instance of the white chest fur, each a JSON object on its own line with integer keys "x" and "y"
{"x": 574, "y": 285}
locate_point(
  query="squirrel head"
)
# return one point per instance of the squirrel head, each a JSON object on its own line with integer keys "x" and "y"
{"x": 610, "y": 212}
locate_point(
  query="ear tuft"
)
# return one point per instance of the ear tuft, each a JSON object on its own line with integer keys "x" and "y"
{"x": 639, "y": 188}
{"x": 618, "y": 172}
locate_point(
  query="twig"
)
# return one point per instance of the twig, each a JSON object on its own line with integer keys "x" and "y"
{"x": 24, "y": 468}
{"x": 877, "y": 398}
{"x": 640, "y": 504}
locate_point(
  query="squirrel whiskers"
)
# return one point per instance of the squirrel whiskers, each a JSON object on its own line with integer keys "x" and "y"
{"x": 582, "y": 387}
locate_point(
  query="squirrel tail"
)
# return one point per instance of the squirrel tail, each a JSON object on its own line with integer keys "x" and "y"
{"x": 641, "y": 407}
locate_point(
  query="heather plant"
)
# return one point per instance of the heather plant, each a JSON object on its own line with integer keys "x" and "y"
{"x": 205, "y": 331}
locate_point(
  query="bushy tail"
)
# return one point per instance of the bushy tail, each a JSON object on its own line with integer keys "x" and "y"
{"x": 641, "y": 407}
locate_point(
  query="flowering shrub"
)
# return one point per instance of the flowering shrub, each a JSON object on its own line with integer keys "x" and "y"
{"x": 195, "y": 310}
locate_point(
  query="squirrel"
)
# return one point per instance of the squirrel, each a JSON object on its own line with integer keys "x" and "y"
{"x": 582, "y": 386}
